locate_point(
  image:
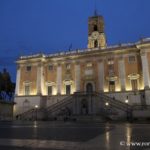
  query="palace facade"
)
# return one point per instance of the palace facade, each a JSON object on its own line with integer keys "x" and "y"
{"x": 119, "y": 72}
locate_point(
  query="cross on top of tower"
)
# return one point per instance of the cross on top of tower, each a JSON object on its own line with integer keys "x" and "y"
{"x": 95, "y": 12}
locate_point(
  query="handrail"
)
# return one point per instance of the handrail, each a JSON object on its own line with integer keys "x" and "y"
{"x": 113, "y": 102}
{"x": 57, "y": 105}
{"x": 114, "y": 99}
{"x": 141, "y": 107}
{"x": 58, "y": 108}
{"x": 26, "y": 112}
{"x": 116, "y": 103}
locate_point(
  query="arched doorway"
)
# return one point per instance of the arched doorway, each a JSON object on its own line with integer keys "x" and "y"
{"x": 84, "y": 107}
{"x": 89, "y": 88}
{"x": 95, "y": 43}
{"x": 26, "y": 105}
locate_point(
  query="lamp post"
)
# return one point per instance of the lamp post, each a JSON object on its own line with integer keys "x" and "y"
{"x": 127, "y": 101}
{"x": 107, "y": 111}
{"x": 107, "y": 104}
{"x": 36, "y": 107}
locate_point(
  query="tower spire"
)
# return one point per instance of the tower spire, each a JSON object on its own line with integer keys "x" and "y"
{"x": 96, "y": 34}
{"x": 95, "y": 12}
{"x": 95, "y": 9}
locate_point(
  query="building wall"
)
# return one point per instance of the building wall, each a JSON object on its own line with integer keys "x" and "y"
{"x": 28, "y": 77}
{"x": 6, "y": 111}
{"x": 87, "y": 74}
{"x": 88, "y": 62}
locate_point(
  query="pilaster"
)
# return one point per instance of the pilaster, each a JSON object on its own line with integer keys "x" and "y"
{"x": 77, "y": 77}
{"x": 18, "y": 80}
{"x": 59, "y": 79}
{"x": 101, "y": 75}
{"x": 145, "y": 70}
{"x": 40, "y": 79}
{"x": 122, "y": 74}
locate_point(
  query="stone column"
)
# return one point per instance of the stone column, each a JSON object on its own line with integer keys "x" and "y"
{"x": 59, "y": 79}
{"x": 40, "y": 79}
{"x": 18, "y": 80}
{"x": 77, "y": 78}
{"x": 101, "y": 75}
{"x": 122, "y": 74}
{"x": 145, "y": 70}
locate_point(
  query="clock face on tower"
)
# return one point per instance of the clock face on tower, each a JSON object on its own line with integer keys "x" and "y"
{"x": 95, "y": 35}
{"x": 96, "y": 39}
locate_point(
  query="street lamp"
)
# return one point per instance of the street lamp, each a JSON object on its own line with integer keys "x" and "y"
{"x": 126, "y": 101}
{"x": 107, "y": 104}
{"x": 36, "y": 107}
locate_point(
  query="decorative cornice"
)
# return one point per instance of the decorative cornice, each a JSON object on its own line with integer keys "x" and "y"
{"x": 133, "y": 76}
{"x": 112, "y": 78}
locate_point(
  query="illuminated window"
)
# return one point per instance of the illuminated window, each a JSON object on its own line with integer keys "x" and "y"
{"x": 134, "y": 85}
{"x": 132, "y": 59}
{"x": 28, "y": 68}
{"x": 68, "y": 66}
{"x": 49, "y": 90}
{"x": 89, "y": 64}
{"x": 68, "y": 89}
{"x": 111, "y": 86}
{"x": 50, "y": 67}
{"x": 110, "y": 61}
{"x": 27, "y": 89}
{"x": 111, "y": 71}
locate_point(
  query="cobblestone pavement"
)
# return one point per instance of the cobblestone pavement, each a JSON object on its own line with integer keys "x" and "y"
{"x": 73, "y": 136}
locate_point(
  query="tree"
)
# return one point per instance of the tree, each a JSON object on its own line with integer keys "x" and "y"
{"x": 7, "y": 87}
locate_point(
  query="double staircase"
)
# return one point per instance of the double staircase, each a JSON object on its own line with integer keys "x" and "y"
{"x": 114, "y": 102}
{"x": 116, "y": 107}
{"x": 59, "y": 108}
{"x": 64, "y": 107}
{"x": 112, "y": 108}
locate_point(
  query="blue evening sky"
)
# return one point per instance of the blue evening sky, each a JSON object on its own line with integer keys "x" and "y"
{"x": 32, "y": 26}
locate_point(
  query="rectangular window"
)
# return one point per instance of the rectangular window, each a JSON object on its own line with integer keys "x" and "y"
{"x": 134, "y": 85}
{"x": 111, "y": 86}
{"x": 68, "y": 89}
{"x": 50, "y": 67}
{"x": 68, "y": 66}
{"x": 28, "y": 68}
{"x": 49, "y": 90}
{"x": 132, "y": 59}
{"x": 27, "y": 89}
{"x": 89, "y": 64}
{"x": 110, "y": 61}
{"x": 111, "y": 71}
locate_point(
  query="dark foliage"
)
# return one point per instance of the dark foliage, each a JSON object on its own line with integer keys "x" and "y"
{"x": 7, "y": 87}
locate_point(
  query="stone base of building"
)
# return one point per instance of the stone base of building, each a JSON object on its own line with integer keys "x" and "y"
{"x": 6, "y": 110}
{"x": 84, "y": 104}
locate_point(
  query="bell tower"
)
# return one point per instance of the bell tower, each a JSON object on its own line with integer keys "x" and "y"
{"x": 96, "y": 35}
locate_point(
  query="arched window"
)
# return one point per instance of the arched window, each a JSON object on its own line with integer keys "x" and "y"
{"x": 95, "y": 27}
{"x": 134, "y": 84}
{"x": 84, "y": 106}
{"x": 68, "y": 89}
{"x": 111, "y": 86}
{"x": 95, "y": 43}
{"x": 89, "y": 88}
